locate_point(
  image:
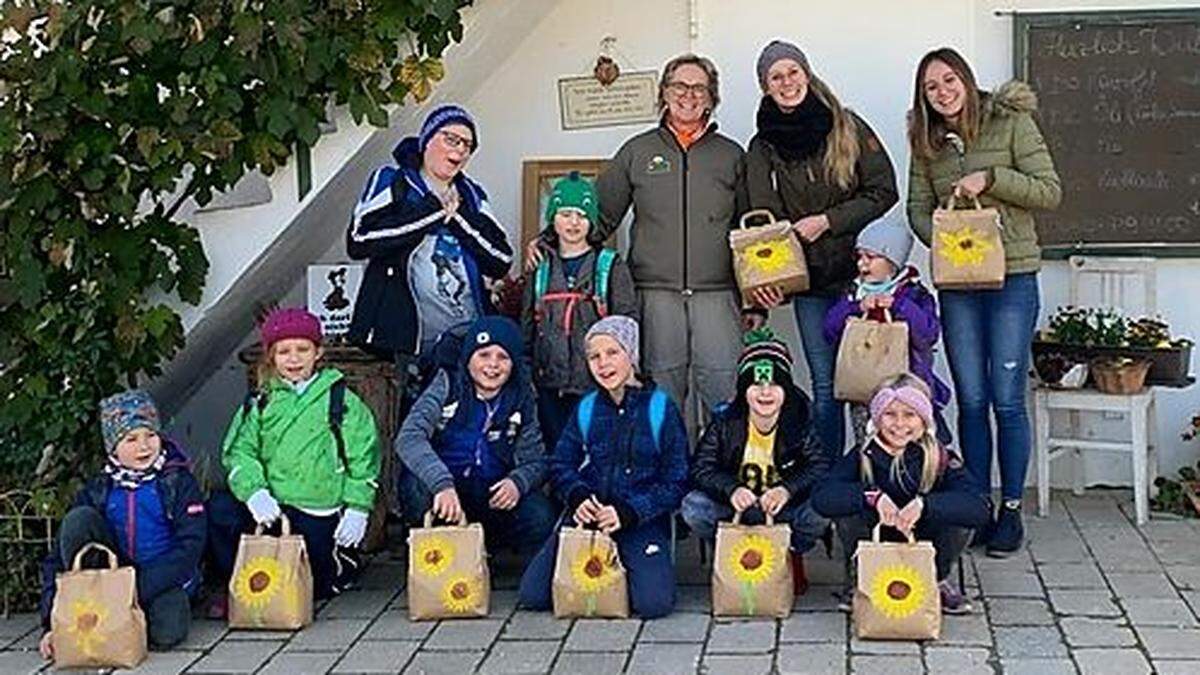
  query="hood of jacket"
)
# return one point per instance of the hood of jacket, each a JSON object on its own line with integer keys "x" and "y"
{"x": 1012, "y": 97}
{"x": 409, "y": 158}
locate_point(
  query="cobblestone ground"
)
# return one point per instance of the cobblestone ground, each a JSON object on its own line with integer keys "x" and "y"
{"x": 1090, "y": 594}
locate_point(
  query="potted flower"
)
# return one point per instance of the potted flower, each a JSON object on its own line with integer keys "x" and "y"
{"x": 1084, "y": 333}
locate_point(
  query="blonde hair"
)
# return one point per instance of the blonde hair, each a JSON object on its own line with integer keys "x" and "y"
{"x": 264, "y": 370}
{"x": 841, "y": 145}
{"x": 931, "y": 464}
{"x": 927, "y": 128}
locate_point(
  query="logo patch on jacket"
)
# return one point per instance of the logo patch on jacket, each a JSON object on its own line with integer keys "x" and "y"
{"x": 658, "y": 165}
{"x": 195, "y": 509}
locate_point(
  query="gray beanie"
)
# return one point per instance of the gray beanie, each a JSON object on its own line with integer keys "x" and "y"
{"x": 888, "y": 237}
{"x": 776, "y": 50}
{"x": 622, "y": 329}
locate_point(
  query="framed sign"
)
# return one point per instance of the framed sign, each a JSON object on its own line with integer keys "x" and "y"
{"x": 332, "y": 290}
{"x": 537, "y": 176}
{"x": 584, "y": 102}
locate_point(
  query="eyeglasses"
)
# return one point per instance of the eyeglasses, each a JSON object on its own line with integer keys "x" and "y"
{"x": 454, "y": 141}
{"x": 681, "y": 89}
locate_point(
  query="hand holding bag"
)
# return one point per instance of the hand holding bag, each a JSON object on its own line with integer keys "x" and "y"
{"x": 968, "y": 251}
{"x": 767, "y": 255}
{"x": 870, "y": 352}
{"x": 752, "y": 575}
{"x": 896, "y": 597}
{"x": 272, "y": 584}
{"x": 448, "y": 576}
{"x": 589, "y": 580}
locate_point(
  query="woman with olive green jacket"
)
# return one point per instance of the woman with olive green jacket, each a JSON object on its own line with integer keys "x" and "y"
{"x": 985, "y": 145}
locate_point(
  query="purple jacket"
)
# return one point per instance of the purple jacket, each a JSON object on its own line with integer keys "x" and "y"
{"x": 913, "y": 304}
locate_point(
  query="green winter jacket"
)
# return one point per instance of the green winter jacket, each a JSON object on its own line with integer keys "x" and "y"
{"x": 286, "y": 446}
{"x": 1021, "y": 175}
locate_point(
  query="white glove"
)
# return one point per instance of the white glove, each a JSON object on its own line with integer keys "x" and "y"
{"x": 351, "y": 529}
{"x": 263, "y": 507}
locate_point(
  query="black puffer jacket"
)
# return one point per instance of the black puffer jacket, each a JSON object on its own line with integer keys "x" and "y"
{"x": 800, "y": 462}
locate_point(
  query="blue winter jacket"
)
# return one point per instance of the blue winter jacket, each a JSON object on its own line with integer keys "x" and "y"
{"x": 619, "y": 461}
{"x": 160, "y": 529}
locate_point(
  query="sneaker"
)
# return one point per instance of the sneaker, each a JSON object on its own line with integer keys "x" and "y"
{"x": 1009, "y": 534}
{"x": 953, "y": 602}
{"x": 845, "y": 598}
{"x": 799, "y": 578}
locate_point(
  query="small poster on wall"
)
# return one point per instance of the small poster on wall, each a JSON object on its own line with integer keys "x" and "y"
{"x": 332, "y": 290}
{"x": 585, "y": 103}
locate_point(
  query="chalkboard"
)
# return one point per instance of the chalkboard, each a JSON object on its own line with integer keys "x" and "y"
{"x": 1119, "y": 102}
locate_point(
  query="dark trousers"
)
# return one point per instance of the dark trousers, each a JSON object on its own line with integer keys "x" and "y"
{"x": 645, "y": 552}
{"x": 702, "y": 513}
{"x": 168, "y": 615}
{"x": 525, "y": 527}
{"x": 555, "y": 408}
{"x": 949, "y": 541}
{"x": 228, "y": 519}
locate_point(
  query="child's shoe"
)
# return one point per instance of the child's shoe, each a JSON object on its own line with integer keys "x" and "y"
{"x": 953, "y": 602}
{"x": 799, "y": 578}
{"x": 218, "y": 606}
{"x": 845, "y": 598}
{"x": 1009, "y": 533}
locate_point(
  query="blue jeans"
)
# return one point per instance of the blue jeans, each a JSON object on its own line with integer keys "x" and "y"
{"x": 828, "y": 413}
{"x": 987, "y": 336}
{"x": 702, "y": 513}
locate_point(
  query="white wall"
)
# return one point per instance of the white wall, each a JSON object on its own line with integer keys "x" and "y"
{"x": 865, "y": 50}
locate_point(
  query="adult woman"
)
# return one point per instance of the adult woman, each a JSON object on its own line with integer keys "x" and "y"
{"x": 681, "y": 178}
{"x": 820, "y": 166}
{"x": 985, "y": 145}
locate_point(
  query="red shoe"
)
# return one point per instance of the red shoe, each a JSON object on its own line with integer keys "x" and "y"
{"x": 218, "y": 606}
{"x": 799, "y": 578}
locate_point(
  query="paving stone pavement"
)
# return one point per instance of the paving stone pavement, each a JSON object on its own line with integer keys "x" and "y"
{"x": 1090, "y": 593}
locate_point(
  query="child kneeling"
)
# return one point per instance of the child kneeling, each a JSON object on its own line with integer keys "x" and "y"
{"x": 147, "y": 508}
{"x": 904, "y": 479}
{"x": 759, "y": 455}
{"x": 287, "y": 454}
{"x": 471, "y": 446}
{"x": 623, "y": 474}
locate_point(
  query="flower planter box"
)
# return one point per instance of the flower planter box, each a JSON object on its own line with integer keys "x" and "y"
{"x": 1168, "y": 367}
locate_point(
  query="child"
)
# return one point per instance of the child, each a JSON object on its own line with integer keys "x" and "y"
{"x": 574, "y": 286}
{"x": 905, "y": 479}
{"x": 623, "y": 472}
{"x": 759, "y": 454}
{"x": 471, "y": 444}
{"x": 147, "y": 508}
{"x": 285, "y": 455}
{"x": 886, "y": 283}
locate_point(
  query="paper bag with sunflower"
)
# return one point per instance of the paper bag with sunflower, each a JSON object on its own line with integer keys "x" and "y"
{"x": 767, "y": 255}
{"x": 870, "y": 352}
{"x": 272, "y": 585}
{"x": 448, "y": 575}
{"x": 589, "y": 579}
{"x": 967, "y": 251}
{"x": 751, "y": 572}
{"x": 897, "y": 595}
{"x": 96, "y": 621}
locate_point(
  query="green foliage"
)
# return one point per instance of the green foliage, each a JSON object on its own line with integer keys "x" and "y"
{"x": 1177, "y": 495}
{"x": 112, "y": 114}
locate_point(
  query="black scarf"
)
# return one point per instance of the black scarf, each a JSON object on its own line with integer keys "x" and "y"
{"x": 799, "y": 134}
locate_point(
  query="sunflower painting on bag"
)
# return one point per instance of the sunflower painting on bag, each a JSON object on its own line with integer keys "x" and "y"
{"x": 898, "y": 591}
{"x": 768, "y": 257}
{"x": 752, "y": 560}
{"x": 461, "y": 594}
{"x": 257, "y": 583}
{"x": 592, "y": 573}
{"x": 963, "y": 247}
{"x": 87, "y": 617}
{"x": 433, "y": 556}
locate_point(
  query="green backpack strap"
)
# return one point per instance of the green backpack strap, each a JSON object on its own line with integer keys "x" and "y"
{"x": 603, "y": 272}
{"x": 541, "y": 279}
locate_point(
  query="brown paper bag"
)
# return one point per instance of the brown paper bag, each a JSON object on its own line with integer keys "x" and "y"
{"x": 767, "y": 255}
{"x": 752, "y": 575}
{"x": 448, "y": 575}
{"x": 896, "y": 597}
{"x": 870, "y": 352}
{"x": 589, "y": 579}
{"x": 968, "y": 252}
{"x": 272, "y": 585}
{"x": 95, "y": 621}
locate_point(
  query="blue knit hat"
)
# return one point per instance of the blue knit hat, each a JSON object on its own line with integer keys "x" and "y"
{"x": 888, "y": 237}
{"x": 493, "y": 330}
{"x": 124, "y": 412}
{"x": 443, "y": 116}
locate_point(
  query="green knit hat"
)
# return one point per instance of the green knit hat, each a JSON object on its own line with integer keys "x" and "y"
{"x": 574, "y": 192}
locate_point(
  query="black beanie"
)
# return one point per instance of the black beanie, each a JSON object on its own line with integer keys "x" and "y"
{"x": 763, "y": 351}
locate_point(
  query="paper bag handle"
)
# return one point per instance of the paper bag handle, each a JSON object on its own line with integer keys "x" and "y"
{"x": 875, "y": 534}
{"x": 956, "y": 195}
{"x": 285, "y": 526}
{"x": 461, "y": 522}
{"x": 737, "y": 518}
{"x": 77, "y": 564}
{"x": 756, "y": 212}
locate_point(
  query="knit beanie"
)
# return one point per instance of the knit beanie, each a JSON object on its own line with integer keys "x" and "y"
{"x": 624, "y": 330}
{"x": 445, "y": 115}
{"x": 911, "y": 396}
{"x": 493, "y": 330}
{"x": 125, "y": 412}
{"x": 289, "y": 322}
{"x": 574, "y": 192}
{"x": 778, "y": 50}
{"x": 887, "y": 237}
{"x": 764, "y": 357}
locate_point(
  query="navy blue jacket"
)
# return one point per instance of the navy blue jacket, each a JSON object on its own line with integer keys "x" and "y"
{"x": 393, "y": 216}
{"x": 619, "y": 461}
{"x": 182, "y": 503}
{"x": 954, "y": 500}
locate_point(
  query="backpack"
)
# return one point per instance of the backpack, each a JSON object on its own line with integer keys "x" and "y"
{"x": 601, "y": 272}
{"x": 658, "y": 412}
{"x": 337, "y": 413}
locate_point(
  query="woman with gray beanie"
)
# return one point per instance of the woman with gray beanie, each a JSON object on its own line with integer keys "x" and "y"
{"x": 818, "y": 165}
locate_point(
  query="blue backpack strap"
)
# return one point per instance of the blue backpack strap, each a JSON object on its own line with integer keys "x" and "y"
{"x": 583, "y": 414}
{"x": 337, "y": 412}
{"x": 658, "y": 413}
{"x": 600, "y": 277}
{"x": 541, "y": 279}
